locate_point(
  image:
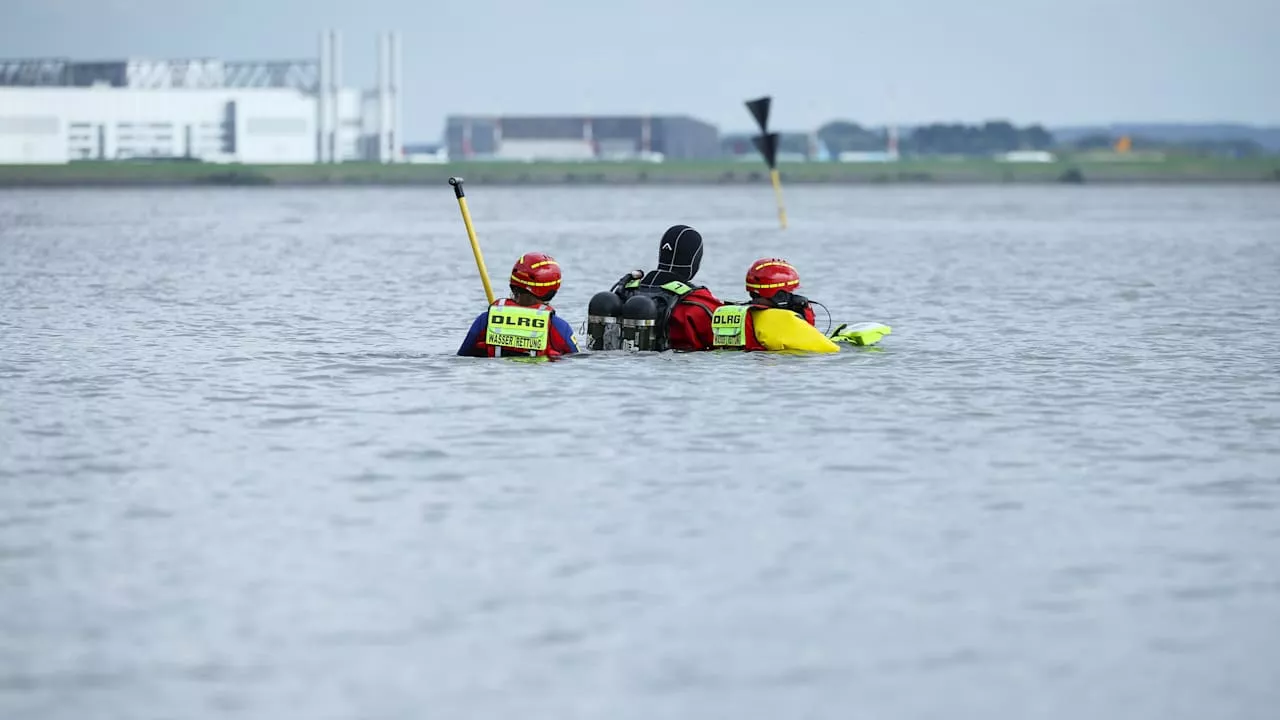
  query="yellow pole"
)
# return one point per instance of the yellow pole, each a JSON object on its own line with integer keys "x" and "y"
{"x": 456, "y": 182}
{"x": 777, "y": 192}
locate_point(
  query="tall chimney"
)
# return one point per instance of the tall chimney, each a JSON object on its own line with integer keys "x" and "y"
{"x": 397, "y": 70}
{"x": 384, "y": 74}
{"x": 335, "y": 85}
{"x": 322, "y": 102}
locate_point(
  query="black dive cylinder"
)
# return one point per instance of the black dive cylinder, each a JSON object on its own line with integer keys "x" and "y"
{"x": 603, "y": 314}
{"x": 639, "y": 318}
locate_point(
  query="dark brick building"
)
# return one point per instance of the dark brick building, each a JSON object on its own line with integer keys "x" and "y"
{"x": 580, "y": 137}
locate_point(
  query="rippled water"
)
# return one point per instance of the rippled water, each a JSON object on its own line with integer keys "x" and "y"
{"x": 242, "y": 475}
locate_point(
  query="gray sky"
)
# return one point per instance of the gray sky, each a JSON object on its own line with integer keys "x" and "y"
{"x": 907, "y": 61}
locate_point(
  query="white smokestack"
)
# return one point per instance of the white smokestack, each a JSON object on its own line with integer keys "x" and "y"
{"x": 397, "y": 134}
{"x": 322, "y": 102}
{"x": 384, "y": 99}
{"x": 335, "y": 85}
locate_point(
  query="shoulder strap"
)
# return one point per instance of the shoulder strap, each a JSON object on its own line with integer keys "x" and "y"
{"x": 679, "y": 288}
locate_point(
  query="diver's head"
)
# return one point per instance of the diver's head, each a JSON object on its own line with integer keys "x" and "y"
{"x": 535, "y": 278}
{"x": 773, "y": 281}
{"x": 680, "y": 251}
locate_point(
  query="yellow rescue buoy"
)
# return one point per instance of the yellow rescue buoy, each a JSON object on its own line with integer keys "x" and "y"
{"x": 779, "y": 329}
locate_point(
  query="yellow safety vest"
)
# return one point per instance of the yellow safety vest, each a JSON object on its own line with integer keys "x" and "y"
{"x": 729, "y": 326}
{"x": 518, "y": 327}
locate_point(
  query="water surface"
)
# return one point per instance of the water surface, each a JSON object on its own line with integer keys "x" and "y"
{"x": 242, "y": 474}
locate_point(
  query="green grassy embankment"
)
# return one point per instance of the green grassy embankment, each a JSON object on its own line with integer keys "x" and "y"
{"x": 942, "y": 171}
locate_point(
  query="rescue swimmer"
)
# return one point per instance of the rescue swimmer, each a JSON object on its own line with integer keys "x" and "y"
{"x": 775, "y": 318}
{"x": 525, "y": 324}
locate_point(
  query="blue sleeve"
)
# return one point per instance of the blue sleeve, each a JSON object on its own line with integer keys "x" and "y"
{"x": 478, "y": 326}
{"x": 565, "y": 330}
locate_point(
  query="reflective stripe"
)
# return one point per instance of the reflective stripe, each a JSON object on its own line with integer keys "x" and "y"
{"x": 767, "y": 286}
{"x": 773, "y": 263}
{"x": 530, "y": 283}
{"x": 729, "y": 326}
{"x": 518, "y": 327}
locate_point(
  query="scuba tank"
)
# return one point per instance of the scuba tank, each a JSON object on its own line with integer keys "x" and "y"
{"x": 639, "y": 318}
{"x": 603, "y": 314}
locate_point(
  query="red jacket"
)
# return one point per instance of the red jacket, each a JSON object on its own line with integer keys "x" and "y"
{"x": 690, "y": 324}
{"x": 808, "y": 315}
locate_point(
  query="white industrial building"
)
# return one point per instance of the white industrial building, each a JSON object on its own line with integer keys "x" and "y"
{"x": 274, "y": 112}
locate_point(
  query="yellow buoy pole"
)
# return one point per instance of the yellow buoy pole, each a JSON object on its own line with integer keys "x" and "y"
{"x": 456, "y": 182}
{"x": 777, "y": 193}
{"x": 767, "y": 143}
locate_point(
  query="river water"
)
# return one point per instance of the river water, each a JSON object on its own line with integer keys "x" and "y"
{"x": 242, "y": 474}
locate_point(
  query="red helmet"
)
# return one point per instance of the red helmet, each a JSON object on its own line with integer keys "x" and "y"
{"x": 767, "y": 276}
{"x": 537, "y": 274}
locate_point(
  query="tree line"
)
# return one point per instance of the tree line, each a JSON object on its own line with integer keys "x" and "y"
{"x": 999, "y": 136}
{"x": 938, "y": 138}
{"x": 1238, "y": 148}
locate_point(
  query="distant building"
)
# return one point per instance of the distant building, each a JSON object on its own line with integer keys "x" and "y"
{"x": 569, "y": 138}
{"x": 792, "y": 147}
{"x": 1027, "y": 156}
{"x": 287, "y": 111}
{"x": 435, "y": 153}
{"x": 870, "y": 156}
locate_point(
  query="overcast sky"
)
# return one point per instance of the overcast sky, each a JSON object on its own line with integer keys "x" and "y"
{"x": 908, "y": 61}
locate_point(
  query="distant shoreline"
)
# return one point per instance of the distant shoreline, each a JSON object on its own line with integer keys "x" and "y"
{"x": 915, "y": 171}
